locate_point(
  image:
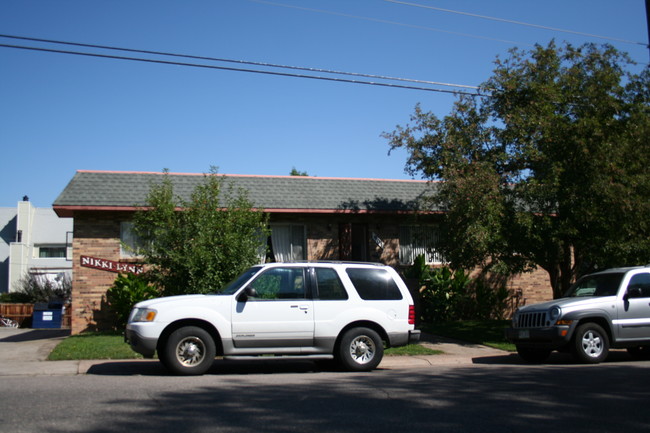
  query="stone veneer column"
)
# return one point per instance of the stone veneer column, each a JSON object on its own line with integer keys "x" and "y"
{"x": 95, "y": 235}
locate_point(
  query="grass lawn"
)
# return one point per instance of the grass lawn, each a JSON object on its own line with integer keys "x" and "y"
{"x": 112, "y": 345}
{"x": 489, "y": 332}
{"x": 93, "y": 346}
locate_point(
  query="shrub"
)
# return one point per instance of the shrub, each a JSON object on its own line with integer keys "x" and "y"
{"x": 34, "y": 288}
{"x": 452, "y": 295}
{"x": 126, "y": 291}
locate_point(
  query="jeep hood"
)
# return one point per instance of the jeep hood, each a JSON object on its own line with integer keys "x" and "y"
{"x": 566, "y": 303}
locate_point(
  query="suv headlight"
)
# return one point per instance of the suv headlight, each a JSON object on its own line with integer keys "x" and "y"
{"x": 554, "y": 313}
{"x": 143, "y": 315}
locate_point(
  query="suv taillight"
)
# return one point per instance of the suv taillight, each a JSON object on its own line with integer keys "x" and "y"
{"x": 411, "y": 314}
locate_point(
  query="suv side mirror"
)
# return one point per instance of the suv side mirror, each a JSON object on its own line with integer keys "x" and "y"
{"x": 248, "y": 292}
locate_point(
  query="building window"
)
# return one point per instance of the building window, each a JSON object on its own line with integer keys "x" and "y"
{"x": 129, "y": 240}
{"x": 52, "y": 252}
{"x": 288, "y": 242}
{"x": 416, "y": 240}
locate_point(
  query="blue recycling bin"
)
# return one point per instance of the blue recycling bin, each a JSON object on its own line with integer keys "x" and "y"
{"x": 47, "y": 315}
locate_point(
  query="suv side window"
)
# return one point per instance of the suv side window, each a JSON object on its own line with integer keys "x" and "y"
{"x": 374, "y": 284}
{"x": 280, "y": 283}
{"x": 330, "y": 287}
{"x": 639, "y": 286}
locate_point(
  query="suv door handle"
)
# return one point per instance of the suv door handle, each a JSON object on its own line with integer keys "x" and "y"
{"x": 302, "y": 307}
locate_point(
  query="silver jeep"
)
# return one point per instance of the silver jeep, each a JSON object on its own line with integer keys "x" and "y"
{"x": 608, "y": 309}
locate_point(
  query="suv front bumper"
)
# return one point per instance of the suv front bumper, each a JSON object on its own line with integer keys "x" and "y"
{"x": 144, "y": 346}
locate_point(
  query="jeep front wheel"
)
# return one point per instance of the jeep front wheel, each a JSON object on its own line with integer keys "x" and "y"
{"x": 188, "y": 351}
{"x": 361, "y": 349}
{"x": 590, "y": 343}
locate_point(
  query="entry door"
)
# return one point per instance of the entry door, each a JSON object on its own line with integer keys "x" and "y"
{"x": 359, "y": 242}
{"x": 280, "y": 315}
{"x": 634, "y": 316}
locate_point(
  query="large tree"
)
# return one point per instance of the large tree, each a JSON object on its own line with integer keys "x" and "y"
{"x": 549, "y": 167}
{"x": 198, "y": 244}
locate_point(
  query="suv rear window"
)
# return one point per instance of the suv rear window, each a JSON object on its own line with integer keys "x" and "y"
{"x": 374, "y": 284}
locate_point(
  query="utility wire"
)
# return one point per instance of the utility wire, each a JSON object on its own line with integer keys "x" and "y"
{"x": 243, "y": 62}
{"x": 395, "y": 23}
{"x": 256, "y": 71}
{"x": 503, "y": 20}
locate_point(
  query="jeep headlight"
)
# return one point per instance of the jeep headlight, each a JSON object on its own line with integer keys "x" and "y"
{"x": 142, "y": 315}
{"x": 515, "y": 319}
{"x": 554, "y": 313}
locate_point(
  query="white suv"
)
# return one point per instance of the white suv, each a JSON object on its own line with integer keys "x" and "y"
{"x": 345, "y": 311}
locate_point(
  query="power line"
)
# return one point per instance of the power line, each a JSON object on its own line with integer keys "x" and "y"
{"x": 382, "y": 21}
{"x": 521, "y": 23}
{"x": 243, "y": 62}
{"x": 225, "y": 68}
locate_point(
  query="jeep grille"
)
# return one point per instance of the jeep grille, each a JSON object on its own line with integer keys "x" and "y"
{"x": 532, "y": 320}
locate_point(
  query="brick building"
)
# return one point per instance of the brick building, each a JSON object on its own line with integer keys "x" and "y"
{"x": 311, "y": 218}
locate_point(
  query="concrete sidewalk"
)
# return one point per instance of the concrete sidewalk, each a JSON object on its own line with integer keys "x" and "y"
{"x": 23, "y": 352}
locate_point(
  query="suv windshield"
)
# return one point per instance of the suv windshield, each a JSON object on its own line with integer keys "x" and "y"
{"x": 596, "y": 285}
{"x": 235, "y": 284}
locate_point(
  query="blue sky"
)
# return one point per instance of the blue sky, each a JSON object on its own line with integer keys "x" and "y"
{"x": 61, "y": 113}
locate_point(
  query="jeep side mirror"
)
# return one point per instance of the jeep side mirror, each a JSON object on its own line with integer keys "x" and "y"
{"x": 633, "y": 292}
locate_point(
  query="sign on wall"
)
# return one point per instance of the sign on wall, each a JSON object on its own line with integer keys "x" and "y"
{"x": 110, "y": 265}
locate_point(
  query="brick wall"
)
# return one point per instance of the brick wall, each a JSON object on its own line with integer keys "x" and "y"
{"x": 98, "y": 235}
{"x": 95, "y": 235}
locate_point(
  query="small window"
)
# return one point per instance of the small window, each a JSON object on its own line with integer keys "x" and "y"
{"x": 330, "y": 287}
{"x": 280, "y": 283}
{"x": 129, "y": 240}
{"x": 374, "y": 284}
{"x": 416, "y": 240}
{"x": 52, "y": 252}
{"x": 288, "y": 242}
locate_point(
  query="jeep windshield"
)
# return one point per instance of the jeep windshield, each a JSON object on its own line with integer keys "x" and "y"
{"x": 596, "y": 285}
{"x": 235, "y": 284}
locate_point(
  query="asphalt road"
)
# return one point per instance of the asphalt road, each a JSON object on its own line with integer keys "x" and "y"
{"x": 293, "y": 396}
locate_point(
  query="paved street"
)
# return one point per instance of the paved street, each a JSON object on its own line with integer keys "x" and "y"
{"x": 468, "y": 389}
{"x": 611, "y": 397}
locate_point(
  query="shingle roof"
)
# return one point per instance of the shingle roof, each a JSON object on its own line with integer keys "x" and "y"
{"x": 95, "y": 190}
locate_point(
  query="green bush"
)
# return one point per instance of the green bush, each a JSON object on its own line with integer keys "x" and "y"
{"x": 15, "y": 298}
{"x": 452, "y": 295}
{"x": 128, "y": 290}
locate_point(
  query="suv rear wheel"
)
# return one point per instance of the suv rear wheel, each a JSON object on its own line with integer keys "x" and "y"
{"x": 361, "y": 349}
{"x": 590, "y": 343}
{"x": 189, "y": 350}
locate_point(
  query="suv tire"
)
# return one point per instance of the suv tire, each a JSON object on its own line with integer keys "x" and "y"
{"x": 188, "y": 351}
{"x": 361, "y": 349}
{"x": 590, "y": 343}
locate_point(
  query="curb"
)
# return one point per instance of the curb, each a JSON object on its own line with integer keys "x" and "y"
{"x": 86, "y": 366}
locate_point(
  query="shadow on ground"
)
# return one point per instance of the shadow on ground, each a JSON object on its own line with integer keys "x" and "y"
{"x": 36, "y": 334}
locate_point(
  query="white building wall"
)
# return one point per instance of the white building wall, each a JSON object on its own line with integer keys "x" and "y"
{"x": 36, "y": 229}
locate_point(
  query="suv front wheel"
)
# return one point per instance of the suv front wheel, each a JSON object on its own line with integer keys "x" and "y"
{"x": 361, "y": 349}
{"x": 188, "y": 351}
{"x": 590, "y": 343}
